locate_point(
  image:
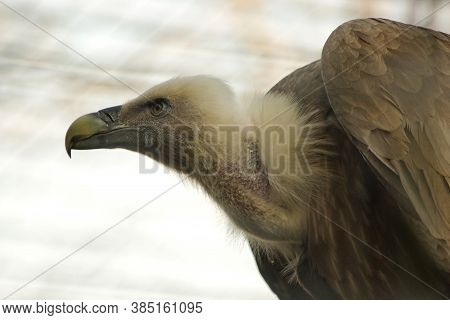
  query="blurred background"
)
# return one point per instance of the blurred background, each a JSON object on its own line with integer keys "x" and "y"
{"x": 69, "y": 227}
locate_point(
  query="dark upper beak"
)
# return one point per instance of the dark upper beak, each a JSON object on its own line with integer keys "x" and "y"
{"x": 100, "y": 130}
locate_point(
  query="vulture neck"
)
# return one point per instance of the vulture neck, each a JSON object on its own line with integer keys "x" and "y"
{"x": 239, "y": 185}
{"x": 244, "y": 177}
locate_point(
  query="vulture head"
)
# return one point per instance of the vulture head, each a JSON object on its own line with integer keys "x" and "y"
{"x": 171, "y": 122}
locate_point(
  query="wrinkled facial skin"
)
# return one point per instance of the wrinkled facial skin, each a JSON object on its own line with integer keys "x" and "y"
{"x": 148, "y": 125}
{"x": 161, "y": 134}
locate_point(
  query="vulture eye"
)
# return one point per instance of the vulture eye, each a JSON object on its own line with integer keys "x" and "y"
{"x": 159, "y": 107}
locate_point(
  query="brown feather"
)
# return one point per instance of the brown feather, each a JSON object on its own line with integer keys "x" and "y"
{"x": 411, "y": 66}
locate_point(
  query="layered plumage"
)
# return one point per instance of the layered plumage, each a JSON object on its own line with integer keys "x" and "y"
{"x": 338, "y": 177}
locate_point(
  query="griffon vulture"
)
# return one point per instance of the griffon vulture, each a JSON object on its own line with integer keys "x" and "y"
{"x": 362, "y": 211}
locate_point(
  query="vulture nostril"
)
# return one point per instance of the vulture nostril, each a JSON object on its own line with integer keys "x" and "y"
{"x": 109, "y": 117}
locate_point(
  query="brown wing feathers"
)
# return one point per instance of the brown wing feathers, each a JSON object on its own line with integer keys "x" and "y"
{"x": 388, "y": 84}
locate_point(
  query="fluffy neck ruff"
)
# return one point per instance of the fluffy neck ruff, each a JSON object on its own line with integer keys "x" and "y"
{"x": 273, "y": 167}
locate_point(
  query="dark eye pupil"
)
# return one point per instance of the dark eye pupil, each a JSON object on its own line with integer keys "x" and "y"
{"x": 159, "y": 106}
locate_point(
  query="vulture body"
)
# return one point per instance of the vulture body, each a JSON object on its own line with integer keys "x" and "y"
{"x": 366, "y": 213}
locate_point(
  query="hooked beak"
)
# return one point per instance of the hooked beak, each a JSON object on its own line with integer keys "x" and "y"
{"x": 100, "y": 130}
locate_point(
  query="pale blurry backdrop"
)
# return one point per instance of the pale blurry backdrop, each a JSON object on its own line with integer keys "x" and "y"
{"x": 179, "y": 245}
